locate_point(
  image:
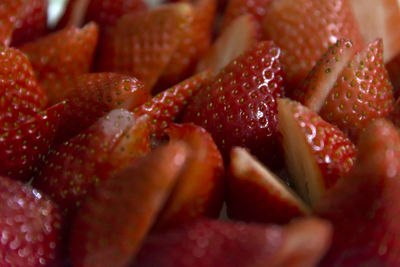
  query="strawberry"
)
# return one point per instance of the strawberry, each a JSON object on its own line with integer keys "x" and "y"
{"x": 363, "y": 207}
{"x": 304, "y": 29}
{"x": 31, "y": 22}
{"x": 238, "y": 108}
{"x": 24, "y": 147}
{"x": 199, "y": 191}
{"x": 30, "y": 225}
{"x": 21, "y": 97}
{"x": 394, "y": 116}
{"x": 255, "y": 194}
{"x": 60, "y": 57}
{"x": 112, "y": 224}
{"x": 165, "y": 107}
{"x": 362, "y": 92}
{"x": 317, "y": 153}
{"x": 393, "y": 68}
{"x": 9, "y": 12}
{"x": 210, "y": 243}
{"x": 142, "y": 44}
{"x": 75, "y": 167}
{"x": 378, "y": 19}
{"x": 237, "y": 38}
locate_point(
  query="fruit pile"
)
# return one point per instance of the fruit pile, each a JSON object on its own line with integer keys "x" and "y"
{"x": 200, "y": 133}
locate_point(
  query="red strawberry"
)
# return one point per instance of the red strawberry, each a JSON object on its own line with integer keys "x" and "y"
{"x": 31, "y": 22}
{"x": 199, "y": 191}
{"x": 60, "y": 57}
{"x": 378, "y": 19}
{"x": 20, "y": 95}
{"x": 255, "y": 194}
{"x": 74, "y": 168}
{"x": 24, "y": 147}
{"x": 304, "y": 29}
{"x": 112, "y": 224}
{"x": 30, "y": 226}
{"x": 238, "y": 108}
{"x": 364, "y": 208}
{"x": 237, "y": 38}
{"x": 208, "y": 243}
{"x": 317, "y": 153}
{"x": 164, "y": 108}
{"x": 9, "y": 12}
{"x": 361, "y": 93}
{"x": 142, "y": 44}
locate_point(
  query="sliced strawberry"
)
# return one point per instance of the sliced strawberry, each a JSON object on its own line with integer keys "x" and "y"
{"x": 304, "y": 29}
{"x": 142, "y": 44}
{"x": 21, "y": 97}
{"x": 74, "y": 168}
{"x": 94, "y": 95}
{"x": 239, "y": 106}
{"x": 9, "y": 12}
{"x": 113, "y": 222}
{"x": 361, "y": 93}
{"x": 31, "y": 22}
{"x": 209, "y": 243}
{"x": 317, "y": 153}
{"x": 200, "y": 189}
{"x": 60, "y": 57}
{"x": 378, "y": 19}
{"x": 255, "y": 194}
{"x": 364, "y": 208}
{"x": 240, "y": 36}
{"x": 23, "y": 148}
{"x": 165, "y": 107}
{"x": 30, "y": 225}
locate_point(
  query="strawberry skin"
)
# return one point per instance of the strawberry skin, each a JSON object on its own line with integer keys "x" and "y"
{"x": 9, "y": 12}
{"x": 304, "y": 29}
{"x": 30, "y": 226}
{"x": 60, "y": 57}
{"x": 238, "y": 107}
{"x": 102, "y": 234}
{"x": 363, "y": 208}
{"x": 211, "y": 243}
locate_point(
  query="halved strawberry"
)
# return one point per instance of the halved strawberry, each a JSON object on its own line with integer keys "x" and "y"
{"x": 304, "y": 29}
{"x": 21, "y": 97}
{"x": 255, "y": 194}
{"x": 74, "y": 168}
{"x": 317, "y": 153}
{"x": 60, "y": 57}
{"x": 238, "y": 108}
{"x": 112, "y": 224}
{"x": 209, "y": 243}
{"x": 364, "y": 208}
{"x": 9, "y": 12}
{"x": 23, "y": 148}
{"x": 378, "y": 19}
{"x": 30, "y": 225}
{"x": 200, "y": 189}
{"x": 142, "y": 44}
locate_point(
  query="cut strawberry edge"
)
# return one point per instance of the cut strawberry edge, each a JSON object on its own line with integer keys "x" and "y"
{"x": 302, "y": 166}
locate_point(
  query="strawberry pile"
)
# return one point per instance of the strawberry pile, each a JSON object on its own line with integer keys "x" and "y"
{"x": 200, "y": 133}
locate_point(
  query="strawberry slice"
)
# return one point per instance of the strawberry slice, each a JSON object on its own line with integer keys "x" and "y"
{"x": 361, "y": 93}
{"x": 142, "y": 44}
{"x": 30, "y": 226}
{"x": 74, "y": 168}
{"x": 9, "y": 12}
{"x": 199, "y": 191}
{"x": 304, "y": 29}
{"x": 237, "y": 38}
{"x": 317, "y": 153}
{"x": 255, "y": 194}
{"x": 165, "y": 107}
{"x": 239, "y": 106}
{"x": 21, "y": 97}
{"x": 113, "y": 222}
{"x": 23, "y": 148}
{"x": 60, "y": 57}
{"x": 368, "y": 198}
{"x": 210, "y": 243}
